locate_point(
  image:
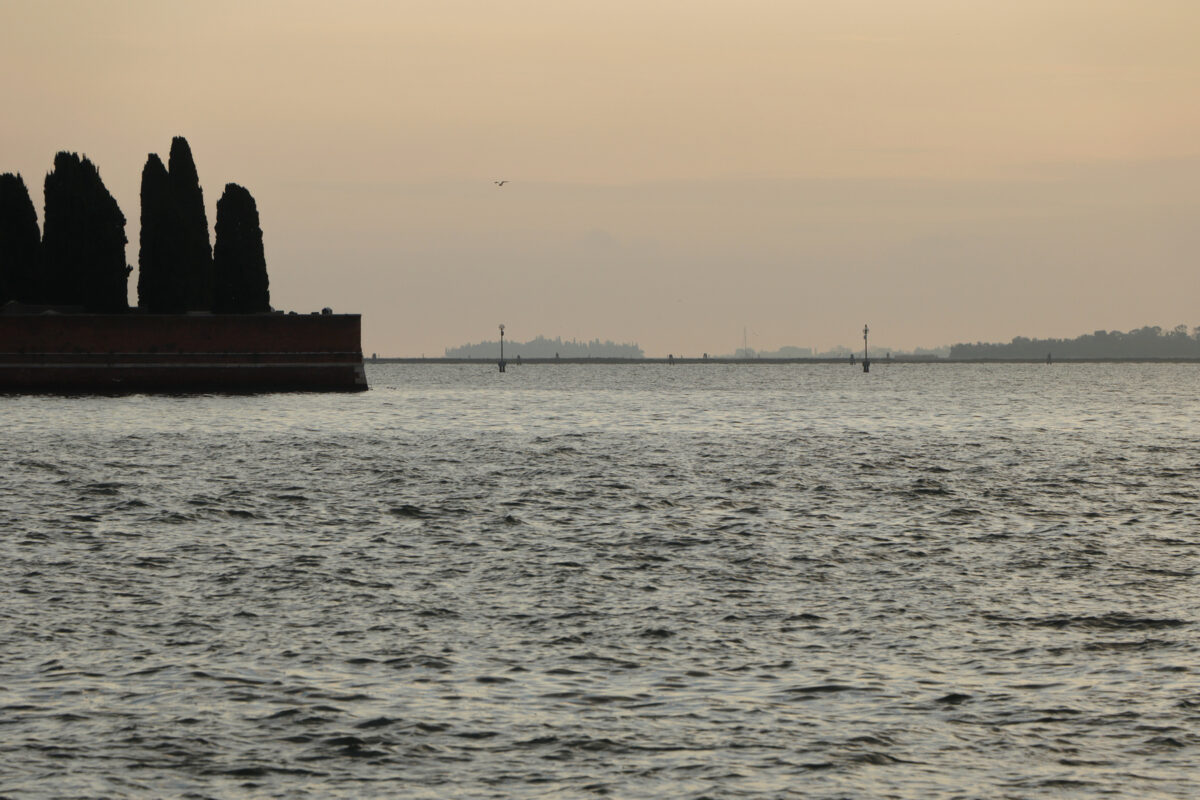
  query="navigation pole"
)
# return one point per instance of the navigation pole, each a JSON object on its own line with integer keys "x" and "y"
{"x": 866, "y": 355}
{"x": 502, "y": 347}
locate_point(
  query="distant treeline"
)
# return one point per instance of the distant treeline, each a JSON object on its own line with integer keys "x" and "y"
{"x": 541, "y": 347}
{"x": 1148, "y": 342}
{"x": 79, "y": 258}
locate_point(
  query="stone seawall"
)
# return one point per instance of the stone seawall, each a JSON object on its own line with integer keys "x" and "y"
{"x": 180, "y": 353}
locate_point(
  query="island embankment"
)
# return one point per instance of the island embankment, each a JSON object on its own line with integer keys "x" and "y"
{"x": 203, "y": 322}
{"x": 118, "y": 353}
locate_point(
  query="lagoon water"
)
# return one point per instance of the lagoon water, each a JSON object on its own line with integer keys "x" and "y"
{"x": 933, "y": 581}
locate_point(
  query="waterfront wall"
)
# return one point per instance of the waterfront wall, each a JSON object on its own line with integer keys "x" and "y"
{"x": 202, "y": 352}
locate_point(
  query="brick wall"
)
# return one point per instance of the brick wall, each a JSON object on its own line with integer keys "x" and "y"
{"x": 166, "y": 334}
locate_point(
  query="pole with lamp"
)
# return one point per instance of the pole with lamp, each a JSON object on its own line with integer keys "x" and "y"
{"x": 502, "y": 348}
{"x": 866, "y": 355}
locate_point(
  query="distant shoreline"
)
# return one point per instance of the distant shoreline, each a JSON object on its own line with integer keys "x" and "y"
{"x": 512, "y": 362}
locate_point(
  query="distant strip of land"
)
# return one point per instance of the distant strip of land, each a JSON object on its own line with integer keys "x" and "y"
{"x": 1146, "y": 344}
{"x": 799, "y": 361}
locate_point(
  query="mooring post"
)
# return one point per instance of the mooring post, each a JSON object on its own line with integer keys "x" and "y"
{"x": 866, "y": 355}
{"x": 502, "y": 347}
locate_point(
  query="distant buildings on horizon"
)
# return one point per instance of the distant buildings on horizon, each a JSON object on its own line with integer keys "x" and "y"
{"x": 840, "y": 351}
{"x": 541, "y": 347}
{"x": 1146, "y": 342}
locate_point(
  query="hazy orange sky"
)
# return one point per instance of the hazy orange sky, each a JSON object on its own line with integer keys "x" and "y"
{"x": 946, "y": 170}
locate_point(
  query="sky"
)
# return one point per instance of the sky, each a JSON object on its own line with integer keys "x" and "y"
{"x": 679, "y": 171}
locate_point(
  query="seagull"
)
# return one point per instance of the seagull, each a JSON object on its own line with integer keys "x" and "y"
{"x": 499, "y": 183}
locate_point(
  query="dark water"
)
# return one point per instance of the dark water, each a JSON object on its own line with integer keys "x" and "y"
{"x": 567, "y": 581}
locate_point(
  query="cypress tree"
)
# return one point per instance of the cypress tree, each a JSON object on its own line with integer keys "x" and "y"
{"x": 162, "y": 286}
{"x": 84, "y": 241}
{"x": 20, "y": 242}
{"x": 239, "y": 264}
{"x": 192, "y": 248}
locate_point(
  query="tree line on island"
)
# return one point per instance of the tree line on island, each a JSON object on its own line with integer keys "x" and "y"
{"x": 78, "y": 259}
{"x": 1147, "y": 342}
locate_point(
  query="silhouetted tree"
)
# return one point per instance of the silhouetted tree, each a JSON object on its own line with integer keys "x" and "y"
{"x": 239, "y": 265}
{"x": 20, "y": 242}
{"x": 162, "y": 285}
{"x": 174, "y": 257}
{"x": 84, "y": 240}
{"x": 191, "y": 249}
{"x": 153, "y": 237}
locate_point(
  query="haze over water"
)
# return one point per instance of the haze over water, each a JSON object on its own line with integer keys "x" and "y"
{"x": 932, "y": 581}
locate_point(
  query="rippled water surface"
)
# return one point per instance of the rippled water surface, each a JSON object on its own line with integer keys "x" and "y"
{"x": 932, "y": 581}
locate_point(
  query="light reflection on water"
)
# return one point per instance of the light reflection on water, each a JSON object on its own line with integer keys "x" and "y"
{"x": 699, "y": 580}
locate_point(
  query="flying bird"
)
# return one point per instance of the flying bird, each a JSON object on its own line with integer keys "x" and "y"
{"x": 499, "y": 183}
